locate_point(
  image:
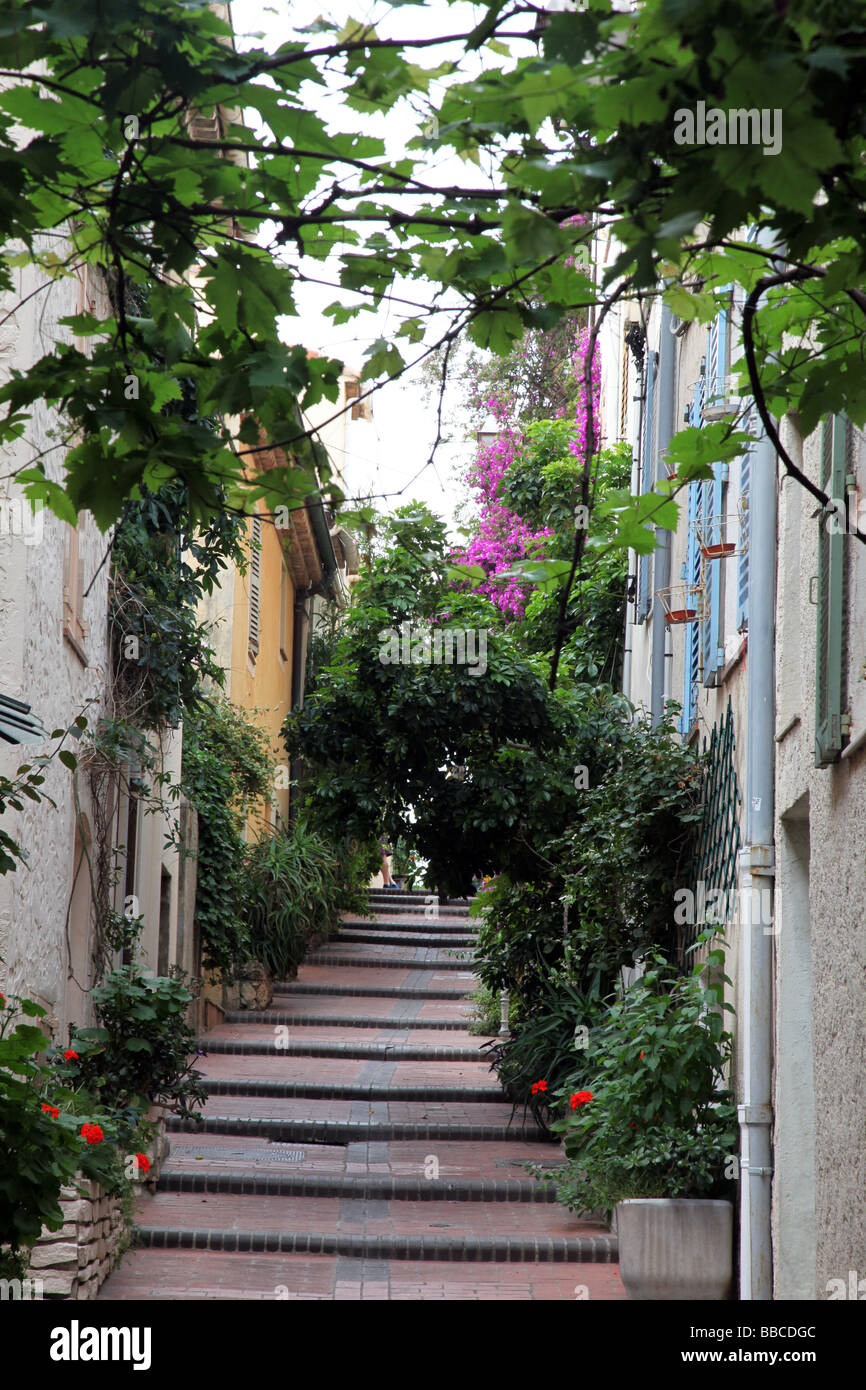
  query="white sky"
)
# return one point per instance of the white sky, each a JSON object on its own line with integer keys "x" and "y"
{"x": 404, "y": 424}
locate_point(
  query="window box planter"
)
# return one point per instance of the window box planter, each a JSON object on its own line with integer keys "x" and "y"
{"x": 676, "y": 1248}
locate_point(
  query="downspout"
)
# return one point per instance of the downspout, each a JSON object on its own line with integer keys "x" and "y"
{"x": 756, "y": 872}
{"x": 662, "y": 570}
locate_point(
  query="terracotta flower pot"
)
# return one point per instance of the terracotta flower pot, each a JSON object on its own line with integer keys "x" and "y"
{"x": 676, "y": 1248}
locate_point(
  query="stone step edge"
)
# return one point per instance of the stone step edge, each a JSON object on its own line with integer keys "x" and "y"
{"x": 340, "y": 1132}
{"x": 373, "y": 1187}
{"x": 314, "y": 1090}
{"x": 419, "y": 911}
{"x": 430, "y": 943}
{"x": 455, "y": 1025}
{"x": 601, "y": 1249}
{"x": 429, "y": 925}
{"x": 388, "y": 962}
{"x": 386, "y": 1052}
{"x": 299, "y": 987}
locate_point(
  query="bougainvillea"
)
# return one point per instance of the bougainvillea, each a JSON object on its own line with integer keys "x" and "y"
{"x": 503, "y": 537}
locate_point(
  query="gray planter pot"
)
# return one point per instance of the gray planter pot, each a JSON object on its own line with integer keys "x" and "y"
{"x": 676, "y": 1247}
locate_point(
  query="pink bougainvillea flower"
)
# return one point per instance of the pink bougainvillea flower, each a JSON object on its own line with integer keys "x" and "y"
{"x": 580, "y": 1098}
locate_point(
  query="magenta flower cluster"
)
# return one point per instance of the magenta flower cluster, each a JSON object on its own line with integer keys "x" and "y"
{"x": 503, "y": 537}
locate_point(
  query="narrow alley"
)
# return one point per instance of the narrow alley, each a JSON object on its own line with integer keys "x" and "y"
{"x": 357, "y": 1146}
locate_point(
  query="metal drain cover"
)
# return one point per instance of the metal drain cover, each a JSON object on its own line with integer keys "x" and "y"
{"x": 270, "y": 1155}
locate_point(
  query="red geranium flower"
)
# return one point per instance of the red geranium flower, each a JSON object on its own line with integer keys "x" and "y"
{"x": 538, "y": 1086}
{"x": 143, "y": 1162}
{"x": 70, "y": 1056}
{"x": 92, "y": 1133}
{"x": 2, "y": 1001}
{"x": 50, "y": 1110}
{"x": 580, "y": 1098}
{"x": 642, "y": 1054}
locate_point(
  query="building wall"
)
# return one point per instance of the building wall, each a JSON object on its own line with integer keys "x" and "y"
{"x": 40, "y": 666}
{"x": 62, "y": 670}
{"x": 821, "y": 945}
{"x": 263, "y": 685}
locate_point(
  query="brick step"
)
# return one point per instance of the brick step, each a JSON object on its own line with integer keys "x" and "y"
{"x": 392, "y": 1012}
{"x": 513, "y": 1249}
{"x": 432, "y": 925}
{"x": 231, "y": 1086}
{"x": 388, "y": 962}
{"x": 344, "y": 1021}
{"x": 398, "y": 938}
{"x": 291, "y": 987}
{"x": 395, "y": 909}
{"x": 148, "y": 1276}
{"x": 354, "y": 1131}
{"x": 385, "y": 1052}
{"x": 494, "y": 1110}
{"x": 360, "y": 1186}
{"x": 384, "y": 895}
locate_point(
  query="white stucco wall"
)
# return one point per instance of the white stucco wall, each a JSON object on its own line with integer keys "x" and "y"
{"x": 821, "y": 946}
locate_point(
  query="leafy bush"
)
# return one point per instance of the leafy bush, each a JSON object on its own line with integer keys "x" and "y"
{"x": 140, "y": 1054}
{"x": 660, "y": 1121}
{"x": 226, "y": 762}
{"x": 296, "y": 886}
{"x": 42, "y": 1146}
{"x": 547, "y": 1048}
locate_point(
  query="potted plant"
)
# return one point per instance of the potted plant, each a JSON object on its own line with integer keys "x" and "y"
{"x": 653, "y": 1137}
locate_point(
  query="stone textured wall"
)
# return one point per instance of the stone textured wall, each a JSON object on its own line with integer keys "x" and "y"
{"x": 74, "y": 1261}
{"x": 40, "y": 667}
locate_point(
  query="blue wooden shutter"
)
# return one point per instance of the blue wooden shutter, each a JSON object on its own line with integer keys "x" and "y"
{"x": 691, "y": 575}
{"x": 830, "y": 644}
{"x": 715, "y": 388}
{"x": 743, "y": 559}
{"x": 644, "y": 568}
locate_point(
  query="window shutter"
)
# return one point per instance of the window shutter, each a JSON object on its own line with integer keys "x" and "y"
{"x": 743, "y": 559}
{"x": 255, "y": 586}
{"x": 644, "y": 569}
{"x": 692, "y": 575}
{"x": 715, "y": 388}
{"x": 830, "y": 644}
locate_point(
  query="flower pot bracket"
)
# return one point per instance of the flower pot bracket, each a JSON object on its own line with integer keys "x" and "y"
{"x": 719, "y": 537}
{"x": 682, "y": 603}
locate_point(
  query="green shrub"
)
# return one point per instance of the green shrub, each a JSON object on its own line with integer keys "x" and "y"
{"x": 141, "y": 1052}
{"x": 547, "y": 1048}
{"x": 296, "y": 887}
{"x": 226, "y": 764}
{"x": 661, "y": 1121}
{"x": 41, "y": 1151}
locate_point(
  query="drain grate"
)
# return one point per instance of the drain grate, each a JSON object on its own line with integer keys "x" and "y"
{"x": 272, "y": 1154}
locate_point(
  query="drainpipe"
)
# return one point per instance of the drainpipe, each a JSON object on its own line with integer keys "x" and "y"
{"x": 756, "y": 871}
{"x": 662, "y": 565}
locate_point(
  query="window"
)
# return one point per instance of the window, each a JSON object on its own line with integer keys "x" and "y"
{"x": 284, "y": 612}
{"x": 255, "y": 588}
{"x": 644, "y": 564}
{"x": 75, "y": 629}
{"x": 831, "y": 645}
{"x": 714, "y": 502}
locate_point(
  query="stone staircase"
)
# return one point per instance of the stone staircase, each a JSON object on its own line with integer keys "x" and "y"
{"x": 356, "y": 1145}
